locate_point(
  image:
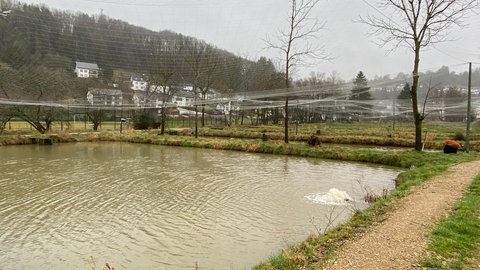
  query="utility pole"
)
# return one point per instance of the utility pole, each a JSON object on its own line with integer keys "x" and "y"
{"x": 467, "y": 143}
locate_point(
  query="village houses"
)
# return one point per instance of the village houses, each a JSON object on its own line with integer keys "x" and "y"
{"x": 183, "y": 96}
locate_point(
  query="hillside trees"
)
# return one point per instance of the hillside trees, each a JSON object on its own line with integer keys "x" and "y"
{"x": 259, "y": 76}
{"x": 417, "y": 24}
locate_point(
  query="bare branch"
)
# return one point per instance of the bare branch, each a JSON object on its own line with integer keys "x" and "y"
{"x": 424, "y": 22}
{"x": 296, "y": 41}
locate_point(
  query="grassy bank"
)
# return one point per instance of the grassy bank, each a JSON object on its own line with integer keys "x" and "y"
{"x": 367, "y": 133}
{"x": 455, "y": 242}
{"x": 313, "y": 252}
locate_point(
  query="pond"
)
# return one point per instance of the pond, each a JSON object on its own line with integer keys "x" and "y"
{"x": 138, "y": 206}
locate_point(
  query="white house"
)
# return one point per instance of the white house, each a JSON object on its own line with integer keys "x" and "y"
{"x": 150, "y": 99}
{"x": 86, "y": 70}
{"x": 138, "y": 83}
{"x": 183, "y": 98}
{"x": 104, "y": 97}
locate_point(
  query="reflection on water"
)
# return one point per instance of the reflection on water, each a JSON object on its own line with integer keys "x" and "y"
{"x": 156, "y": 207}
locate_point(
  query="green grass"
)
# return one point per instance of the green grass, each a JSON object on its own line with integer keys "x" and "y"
{"x": 455, "y": 241}
{"x": 365, "y": 133}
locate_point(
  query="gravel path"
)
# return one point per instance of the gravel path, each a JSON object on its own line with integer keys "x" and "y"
{"x": 400, "y": 240}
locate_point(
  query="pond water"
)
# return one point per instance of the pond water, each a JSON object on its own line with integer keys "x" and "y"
{"x": 135, "y": 206}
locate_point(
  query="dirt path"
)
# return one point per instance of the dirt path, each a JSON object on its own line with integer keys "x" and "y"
{"x": 399, "y": 241}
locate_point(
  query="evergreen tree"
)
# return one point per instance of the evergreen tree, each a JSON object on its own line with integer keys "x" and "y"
{"x": 360, "y": 88}
{"x": 361, "y": 94}
{"x": 405, "y": 93}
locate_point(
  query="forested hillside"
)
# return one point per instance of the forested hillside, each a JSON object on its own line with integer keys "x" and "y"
{"x": 36, "y": 36}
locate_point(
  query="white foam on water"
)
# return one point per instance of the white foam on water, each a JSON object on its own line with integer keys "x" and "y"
{"x": 332, "y": 197}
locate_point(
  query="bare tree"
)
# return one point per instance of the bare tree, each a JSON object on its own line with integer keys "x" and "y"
{"x": 209, "y": 65}
{"x": 96, "y": 116}
{"x": 39, "y": 85}
{"x": 193, "y": 52}
{"x": 162, "y": 74}
{"x": 294, "y": 42}
{"x": 417, "y": 24}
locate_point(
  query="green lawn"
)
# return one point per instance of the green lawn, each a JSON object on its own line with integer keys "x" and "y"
{"x": 455, "y": 242}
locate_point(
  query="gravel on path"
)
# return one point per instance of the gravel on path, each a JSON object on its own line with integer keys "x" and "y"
{"x": 399, "y": 241}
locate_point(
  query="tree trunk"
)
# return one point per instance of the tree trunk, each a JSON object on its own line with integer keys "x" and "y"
{"x": 48, "y": 125}
{"x": 203, "y": 109}
{"x": 162, "y": 124}
{"x": 286, "y": 119}
{"x": 414, "y": 93}
{"x": 196, "y": 121}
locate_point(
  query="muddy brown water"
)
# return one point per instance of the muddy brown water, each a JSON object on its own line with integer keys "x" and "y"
{"x": 155, "y": 207}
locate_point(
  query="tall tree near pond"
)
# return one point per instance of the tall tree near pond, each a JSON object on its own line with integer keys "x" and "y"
{"x": 209, "y": 66}
{"x": 294, "y": 43}
{"x": 417, "y": 24}
{"x": 192, "y": 51}
{"x": 163, "y": 62}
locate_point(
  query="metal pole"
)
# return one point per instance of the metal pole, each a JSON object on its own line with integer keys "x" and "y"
{"x": 467, "y": 143}
{"x": 393, "y": 107}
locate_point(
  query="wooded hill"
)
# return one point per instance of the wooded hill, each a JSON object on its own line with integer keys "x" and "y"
{"x": 33, "y": 37}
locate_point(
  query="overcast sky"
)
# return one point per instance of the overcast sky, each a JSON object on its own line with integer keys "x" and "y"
{"x": 241, "y": 26}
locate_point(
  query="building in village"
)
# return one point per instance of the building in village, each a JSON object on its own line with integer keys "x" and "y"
{"x": 138, "y": 82}
{"x": 104, "y": 97}
{"x": 86, "y": 70}
{"x": 142, "y": 94}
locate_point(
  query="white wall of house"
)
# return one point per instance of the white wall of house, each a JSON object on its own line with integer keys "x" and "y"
{"x": 139, "y": 85}
{"x": 182, "y": 101}
{"x": 83, "y": 73}
{"x": 107, "y": 97}
{"x": 86, "y": 70}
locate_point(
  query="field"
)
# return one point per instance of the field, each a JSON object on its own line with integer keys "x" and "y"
{"x": 383, "y": 134}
